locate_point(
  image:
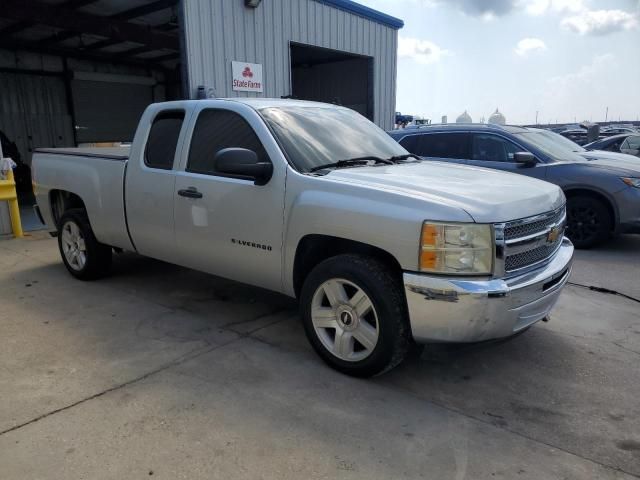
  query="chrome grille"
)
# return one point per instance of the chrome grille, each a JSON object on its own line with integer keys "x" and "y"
{"x": 530, "y": 257}
{"x": 519, "y": 229}
{"x": 527, "y": 242}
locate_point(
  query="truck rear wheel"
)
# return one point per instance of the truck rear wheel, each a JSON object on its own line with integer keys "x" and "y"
{"x": 355, "y": 315}
{"x": 84, "y": 257}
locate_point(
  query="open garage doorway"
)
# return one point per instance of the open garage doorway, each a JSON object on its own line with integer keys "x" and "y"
{"x": 332, "y": 76}
{"x": 80, "y": 73}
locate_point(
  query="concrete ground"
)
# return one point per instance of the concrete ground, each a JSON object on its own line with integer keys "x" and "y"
{"x": 164, "y": 372}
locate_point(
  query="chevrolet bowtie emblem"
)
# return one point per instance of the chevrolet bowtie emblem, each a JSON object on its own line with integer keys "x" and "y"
{"x": 553, "y": 234}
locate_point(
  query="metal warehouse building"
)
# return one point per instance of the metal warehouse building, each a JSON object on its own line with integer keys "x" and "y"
{"x": 82, "y": 71}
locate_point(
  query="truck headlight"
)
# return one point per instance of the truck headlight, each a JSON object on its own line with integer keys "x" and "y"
{"x": 457, "y": 248}
{"x": 631, "y": 181}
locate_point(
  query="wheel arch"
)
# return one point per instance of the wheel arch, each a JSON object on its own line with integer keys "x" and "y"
{"x": 315, "y": 248}
{"x": 601, "y": 196}
{"x": 63, "y": 200}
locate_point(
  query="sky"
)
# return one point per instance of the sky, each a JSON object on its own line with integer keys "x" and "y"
{"x": 568, "y": 60}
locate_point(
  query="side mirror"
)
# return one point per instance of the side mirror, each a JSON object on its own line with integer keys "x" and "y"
{"x": 243, "y": 163}
{"x": 526, "y": 159}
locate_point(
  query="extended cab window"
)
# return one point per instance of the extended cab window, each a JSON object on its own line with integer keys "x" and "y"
{"x": 218, "y": 129}
{"x": 163, "y": 139}
{"x": 438, "y": 145}
{"x": 492, "y": 148}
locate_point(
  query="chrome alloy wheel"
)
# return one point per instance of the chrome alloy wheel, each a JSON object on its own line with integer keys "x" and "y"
{"x": 345, "y": 320}
{"x": 73, "y": 246}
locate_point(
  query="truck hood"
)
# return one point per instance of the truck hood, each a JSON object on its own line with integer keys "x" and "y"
{"x": 488, "y": 196}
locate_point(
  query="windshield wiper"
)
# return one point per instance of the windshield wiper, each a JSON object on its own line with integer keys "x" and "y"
{"x": 399, "y": 158}
{"x": 352, "y": 162}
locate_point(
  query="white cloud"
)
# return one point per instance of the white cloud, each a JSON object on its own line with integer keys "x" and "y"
{"x": 529, "y": 45}
{"x": 422, "y": 51}
{"x": 536, "y": 7}
{"x": 572, "y": 6}
{"x": 539, "y": 7}
{"x": 566, "y": 94}
{"x": 485, "y": 9}
{"x": 587, "y": 74}
{"x": 600, "y": 22}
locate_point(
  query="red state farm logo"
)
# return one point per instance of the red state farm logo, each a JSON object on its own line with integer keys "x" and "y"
{"x": 247, "y": 73}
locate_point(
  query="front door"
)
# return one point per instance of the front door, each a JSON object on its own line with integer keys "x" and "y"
{"x": 494, "y": 151}
{"x": 224, "y": 225}
{"x": 149, "y": 187}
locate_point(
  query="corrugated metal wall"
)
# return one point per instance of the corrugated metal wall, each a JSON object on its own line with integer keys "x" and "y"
{"x": 33, "y": 112}
{"x": 220, "y": 31}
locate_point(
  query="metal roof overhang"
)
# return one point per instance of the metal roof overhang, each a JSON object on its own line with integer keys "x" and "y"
{"x": 366, "y": 12}
{"x": 140, "y": 33}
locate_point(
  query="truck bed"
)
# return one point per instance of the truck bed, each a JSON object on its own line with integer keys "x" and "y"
{"x": 111, "y": 153}
{"x": 96, "y": 176}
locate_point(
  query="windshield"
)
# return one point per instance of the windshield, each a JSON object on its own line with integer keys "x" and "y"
{"x": 549, "y": 144}
{"x": 314, "y": 136}
{"x": 562, "y": 141}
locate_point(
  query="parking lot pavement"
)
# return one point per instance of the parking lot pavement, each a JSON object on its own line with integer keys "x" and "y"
{"x": 164, "y": 372}
{"x": 614, "y": 265}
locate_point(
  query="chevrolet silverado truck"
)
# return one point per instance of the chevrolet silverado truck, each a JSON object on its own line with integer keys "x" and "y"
{"x": 382, "y": 251}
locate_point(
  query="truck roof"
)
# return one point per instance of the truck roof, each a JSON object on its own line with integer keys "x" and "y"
{"x": 260, "y": 103}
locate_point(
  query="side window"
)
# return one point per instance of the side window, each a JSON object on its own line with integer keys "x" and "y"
{"x": 613, "y": 146}
{"x": 440, "y": 145}
{"x": 218, "y": 129}
{"x": 492, "y": 148}
{"x": 411, "y": 142}
{"x": 163, "y": 139}
{"x": 625, "y": 144}
{"x": 633, "y": 143}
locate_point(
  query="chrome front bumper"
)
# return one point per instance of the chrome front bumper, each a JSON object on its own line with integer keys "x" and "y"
{"x": 445, "y": 309}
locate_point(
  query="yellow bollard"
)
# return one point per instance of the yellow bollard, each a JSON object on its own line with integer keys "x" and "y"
{"x": 8, "y": 193}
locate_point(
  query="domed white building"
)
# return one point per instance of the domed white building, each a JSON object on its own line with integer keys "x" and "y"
{"x": 497, "y": 118}
{"x": 464, "y": 118}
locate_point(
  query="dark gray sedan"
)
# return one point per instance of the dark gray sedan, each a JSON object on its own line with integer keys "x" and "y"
{"x": 603, "y": 196}
{"x": 628, "y": 143}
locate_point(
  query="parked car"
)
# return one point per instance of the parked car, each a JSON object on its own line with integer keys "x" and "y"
{"x": 316, "y": 202}
{"x": 603, "y": 196}
{"x": 619, "y": 129}
{"x": 578, "y": 136}
{"x": 564, "y": 142}
{"x": 628, "y": 143}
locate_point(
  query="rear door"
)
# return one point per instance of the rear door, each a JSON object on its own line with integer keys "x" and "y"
{"x": 149, "y": 187}
{"x": 230, "y": 227}
{"x": 495, "y": 151}
{"x": 443, "y": 147}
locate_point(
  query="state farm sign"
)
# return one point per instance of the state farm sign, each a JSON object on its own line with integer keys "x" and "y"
{"x": 247, "y": 77}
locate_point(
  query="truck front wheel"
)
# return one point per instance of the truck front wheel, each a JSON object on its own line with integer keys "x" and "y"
{"x": 84, "y": 257}
{"x": 355, "y": 315}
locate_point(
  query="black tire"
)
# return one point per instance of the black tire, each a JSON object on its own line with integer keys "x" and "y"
{"x": 97, "y": 256}
{"x": 589, "y": 221}
{"x": 385, "y": 292}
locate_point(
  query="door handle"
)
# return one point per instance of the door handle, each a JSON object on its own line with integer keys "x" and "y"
{"x": 190, "y": 192}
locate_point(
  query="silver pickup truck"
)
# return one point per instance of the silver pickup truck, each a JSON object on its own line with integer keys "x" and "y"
{"x": 316, "y": 202}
